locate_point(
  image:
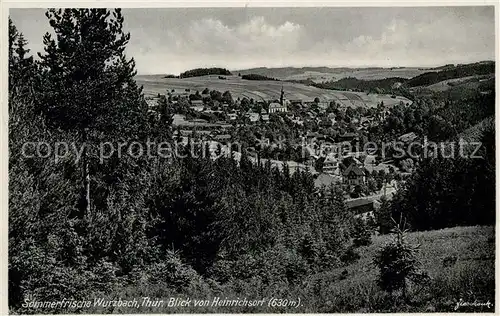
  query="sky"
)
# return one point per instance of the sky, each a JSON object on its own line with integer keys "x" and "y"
{"x": 172, "y": 40}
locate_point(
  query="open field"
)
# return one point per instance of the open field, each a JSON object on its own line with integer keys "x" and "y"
{"x": 262, "y": 90}
{"x": 353, "y": 288}
{"x": 363, "y": 74}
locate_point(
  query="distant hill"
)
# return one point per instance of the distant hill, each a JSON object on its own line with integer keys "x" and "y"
{"x": 327, "y": 74}
{"x": 198, "y": 72}
{"x": 419, "y": 76}
{"x": 447, "y": 66}
{"x": 455, "y": 80}
{"x": 284, "y": 72}
{"x": 351, "y": 83}
{"x": 452, "y": 72}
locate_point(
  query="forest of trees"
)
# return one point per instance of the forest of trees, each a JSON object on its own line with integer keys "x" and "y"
{"x": 78, "y": 228}
{"x": 377, "y": 86}
{"x": 386, "y": 85}
{"x": 438, "y": 118}
{"x": 82, "y": 227}
{"x": 446, "y": 192}
{"x": 256, "y": 77}
{"x": 198, "y": 72}
{"x": 452, "y": 191}
{"x": 459, "y": 71}
{"x": 449, "y": 192}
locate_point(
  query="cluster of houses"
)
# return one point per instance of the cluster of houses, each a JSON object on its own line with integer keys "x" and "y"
{"x": 356, "y": 174}
{"x": 311, "y": 110}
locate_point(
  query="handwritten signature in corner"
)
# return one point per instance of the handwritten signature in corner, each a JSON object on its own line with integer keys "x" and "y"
{"x": 462, "y": 303}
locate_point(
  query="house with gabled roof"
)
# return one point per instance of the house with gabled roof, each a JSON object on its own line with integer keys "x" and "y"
{"x": 354, "y": 175}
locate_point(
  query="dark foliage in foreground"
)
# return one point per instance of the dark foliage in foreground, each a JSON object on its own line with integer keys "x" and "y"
{"x": 131, "y": 226}
{"x": 398, "y": 264}
{"x": 80, "y": 227}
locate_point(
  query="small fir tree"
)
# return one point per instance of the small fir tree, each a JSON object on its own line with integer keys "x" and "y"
{"x": 398, "y": 263}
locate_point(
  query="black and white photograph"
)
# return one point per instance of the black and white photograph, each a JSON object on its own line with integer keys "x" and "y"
{"x": 249, "y": 159}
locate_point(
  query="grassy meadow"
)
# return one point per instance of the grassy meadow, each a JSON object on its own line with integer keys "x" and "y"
{"x": 460, "y": 262}
{"x": 262, "y": 90}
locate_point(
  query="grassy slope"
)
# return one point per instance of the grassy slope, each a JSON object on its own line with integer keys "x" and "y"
{"x": 459, "y": 71}
{"x": 475, "y": 133}
{"x": 470, "y": 278}
{"x": 469, "y": 82}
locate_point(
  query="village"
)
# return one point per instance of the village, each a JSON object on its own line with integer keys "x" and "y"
{"x": 327, "y": 159}
{"x": 311, "y": 135}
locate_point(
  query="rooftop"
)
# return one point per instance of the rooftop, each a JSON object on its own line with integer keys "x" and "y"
{"x": 352, "y": 203}
{"x": 275, "y": 105}
{"x": 353, "y": 168}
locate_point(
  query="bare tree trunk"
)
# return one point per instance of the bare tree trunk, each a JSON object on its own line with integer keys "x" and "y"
{"x": 404, "y": 290}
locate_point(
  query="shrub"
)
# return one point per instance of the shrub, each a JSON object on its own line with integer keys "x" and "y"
{"x": 449, "y": 261}
{"x": 349, "y": 256}
{"x": 171, "y": 272}
{"x": 361, "y": 233}
{"x": 276, "y": 264}
{"x": 398, "y": 263}
{"x": 383, "y": 216}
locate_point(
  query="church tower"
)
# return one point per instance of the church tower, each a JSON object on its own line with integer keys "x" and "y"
{"x": 282, "y": 100}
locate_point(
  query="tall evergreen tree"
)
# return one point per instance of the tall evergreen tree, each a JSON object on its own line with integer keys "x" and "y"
{"x": 21, "y": 65}
{"x": 88, "y": 83}
{"x": 13, "y": 35}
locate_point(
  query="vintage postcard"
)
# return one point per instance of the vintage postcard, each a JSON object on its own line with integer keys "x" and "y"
{"x": 250, "y": 159}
